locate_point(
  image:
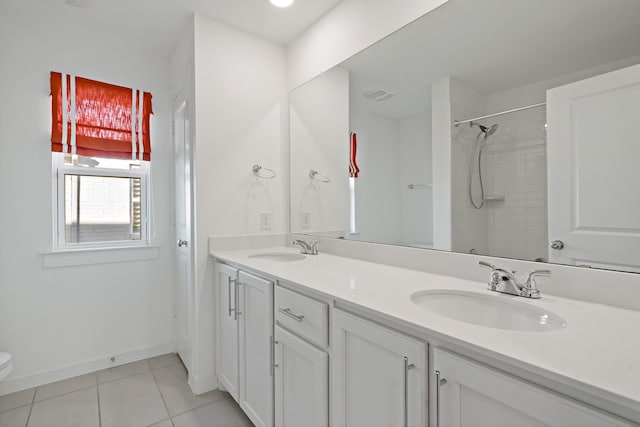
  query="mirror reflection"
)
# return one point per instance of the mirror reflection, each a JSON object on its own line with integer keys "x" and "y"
{"x": 513, "y": 136}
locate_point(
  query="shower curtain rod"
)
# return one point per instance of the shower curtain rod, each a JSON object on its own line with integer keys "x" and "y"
{"x": 458, "y": 123}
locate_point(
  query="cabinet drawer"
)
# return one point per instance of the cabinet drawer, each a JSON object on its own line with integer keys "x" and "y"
{"x": 300, "y": 314}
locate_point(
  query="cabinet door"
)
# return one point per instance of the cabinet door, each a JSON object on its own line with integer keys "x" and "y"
{"x": 378, "y": 375}
{"x": 227, "y": 329}
{"x": 256, "y": 331}
{"x": 473, "y": 395}
{"x": 302, "y": 382}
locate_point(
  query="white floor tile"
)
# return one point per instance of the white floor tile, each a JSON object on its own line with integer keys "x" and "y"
{"x": 164, "y": 360}
{"x": 217, "y": 414}
{"x": 133, "y": 401}
{"x": 15, "y": 400}
{"x": 65, "y": 386}
{"x": 123, "y": 371}
{"x": 15, "y": 417}
{"x": 77, "y": 409}
{"x": 172, "y": 381}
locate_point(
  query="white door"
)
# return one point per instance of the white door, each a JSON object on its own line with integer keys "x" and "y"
{"x": 473, "y": 395}
{"x": 227, "y": 330}
{"x": 183, "y": 289}
{"x": 593, "y": 171}
{"x": 378, "y": 375}
{"x": 301, "y": 382}
{"x": 256, "y": 330}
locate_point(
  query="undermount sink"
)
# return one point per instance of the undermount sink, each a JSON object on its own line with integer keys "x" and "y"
{"x": 488, "y": 310}
{"x": 279, "y": 256}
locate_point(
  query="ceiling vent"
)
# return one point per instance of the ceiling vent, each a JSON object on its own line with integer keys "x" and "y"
{"x": 79, "y": 3}
{"x": 378, "y": 95}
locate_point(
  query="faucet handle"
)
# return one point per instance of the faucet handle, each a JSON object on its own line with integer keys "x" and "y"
{"x": 487, "y": 264}
{"x": 314, "y": 247}
{"x": 531, "y": 289}
{"x": 530, "y": 278}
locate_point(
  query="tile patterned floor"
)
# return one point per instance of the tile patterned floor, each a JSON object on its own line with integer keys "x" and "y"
{"x": 152, "y": 392}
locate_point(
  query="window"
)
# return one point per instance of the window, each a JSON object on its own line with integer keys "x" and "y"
{"x": 100, "y": 201}
{"x": 101, "y": 152}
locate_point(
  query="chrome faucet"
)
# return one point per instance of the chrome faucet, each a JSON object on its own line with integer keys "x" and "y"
{"x": 306, "y": 247}
{"x": 505, "y": 281}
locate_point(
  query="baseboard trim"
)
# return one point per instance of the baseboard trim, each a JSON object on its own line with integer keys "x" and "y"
{"x": 12, "y": 385}
{"x": 204, "y": 384}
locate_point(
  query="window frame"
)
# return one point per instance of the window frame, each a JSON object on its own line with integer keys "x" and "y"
{"x": 60, "y": 169}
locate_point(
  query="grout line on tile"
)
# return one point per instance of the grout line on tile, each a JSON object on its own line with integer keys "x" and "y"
{"x": 127, "y": 376}
{"x": 33, "y": 399}
{"x": 198, "y": 407}
{"x": 124, "y": 378}
{"x": 11, "y": 409}
{"x": 62, "y": 394}
{"x": 98, "y": 393}
{"x": 155, "y": 381}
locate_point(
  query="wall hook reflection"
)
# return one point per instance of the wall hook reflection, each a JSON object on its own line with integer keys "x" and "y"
{"x": 314, "y": 174}
{"x": 263, "y": 173}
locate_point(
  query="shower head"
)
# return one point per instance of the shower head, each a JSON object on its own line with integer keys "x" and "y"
{"x": 488, "y": 131}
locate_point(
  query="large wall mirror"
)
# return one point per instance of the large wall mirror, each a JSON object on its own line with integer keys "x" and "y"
{"x": 494, "y": 127}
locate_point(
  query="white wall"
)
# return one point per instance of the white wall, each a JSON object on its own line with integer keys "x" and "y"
{"x": 347, "y": 29}
{"x": 441, "y": 152}
{"x": 320, "y": 128}
{"x": 378, "y": 186}
{"x": 60, "y": 322}
{"x": 416, "y": 225}
{"x": 241, "y": 116}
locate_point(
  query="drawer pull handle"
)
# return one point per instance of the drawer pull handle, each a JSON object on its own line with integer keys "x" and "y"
{"x": 230, "y": 281}
{"x": 439, "y": 382}
{"x": 287, "y": 312}
{"x": 274, "y": 365}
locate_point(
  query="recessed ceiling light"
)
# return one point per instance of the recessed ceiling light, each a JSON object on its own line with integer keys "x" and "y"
{"x": 281, "y": 3}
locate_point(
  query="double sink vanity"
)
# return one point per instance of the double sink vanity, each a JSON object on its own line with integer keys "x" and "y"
{"x": 324, "y": 340}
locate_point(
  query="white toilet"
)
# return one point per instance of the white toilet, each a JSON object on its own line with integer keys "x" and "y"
{"x": 5, "y": 365}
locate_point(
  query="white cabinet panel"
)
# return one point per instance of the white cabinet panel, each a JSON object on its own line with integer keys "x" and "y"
{"x": 301, "y": 382}
{"x": 473, "y": 395}
{"x": 302, "y": 315}
{"x": 256, "y": 330}
{"x": 227, "y": 341}
{"x": 372, "y": 382}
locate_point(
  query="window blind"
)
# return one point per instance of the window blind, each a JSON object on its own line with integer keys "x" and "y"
{"x": 96, "y": 119}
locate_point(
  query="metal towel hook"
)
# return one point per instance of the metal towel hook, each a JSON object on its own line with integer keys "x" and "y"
{"x": 263, "y": 173}
{"x": 314, "y": 174}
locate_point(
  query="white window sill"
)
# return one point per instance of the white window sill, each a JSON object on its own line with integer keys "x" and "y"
{"x": 76, "y": 257}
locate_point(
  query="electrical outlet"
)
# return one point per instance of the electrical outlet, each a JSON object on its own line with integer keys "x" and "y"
{"x": 265, "y": 221}
{"x": 306, "y": 220}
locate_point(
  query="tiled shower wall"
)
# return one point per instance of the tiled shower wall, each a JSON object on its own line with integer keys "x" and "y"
{"x": 516, "y": 167}
{"x": 515, "y": 174}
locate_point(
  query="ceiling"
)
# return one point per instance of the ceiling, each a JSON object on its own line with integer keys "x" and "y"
{"x": 494, "y": 46}
{"x": 157, "y": 24}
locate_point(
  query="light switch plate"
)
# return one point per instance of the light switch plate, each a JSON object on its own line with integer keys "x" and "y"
{"x": 265, "y": 221}
{"x": 305, "y": 220}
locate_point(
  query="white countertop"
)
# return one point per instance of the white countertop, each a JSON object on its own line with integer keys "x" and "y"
{"x": 597, "y": 353}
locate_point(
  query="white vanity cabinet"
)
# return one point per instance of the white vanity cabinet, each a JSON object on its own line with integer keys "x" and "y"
{"x": 301, "y": 369}
{"x": 473, "y": 395}
{"x": 245, "y": 303}
{"x": 379, "y": 376}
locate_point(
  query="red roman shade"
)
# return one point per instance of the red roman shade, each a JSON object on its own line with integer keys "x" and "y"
{"x": 99, "y": 119}
{"x": 353, "y": 166}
